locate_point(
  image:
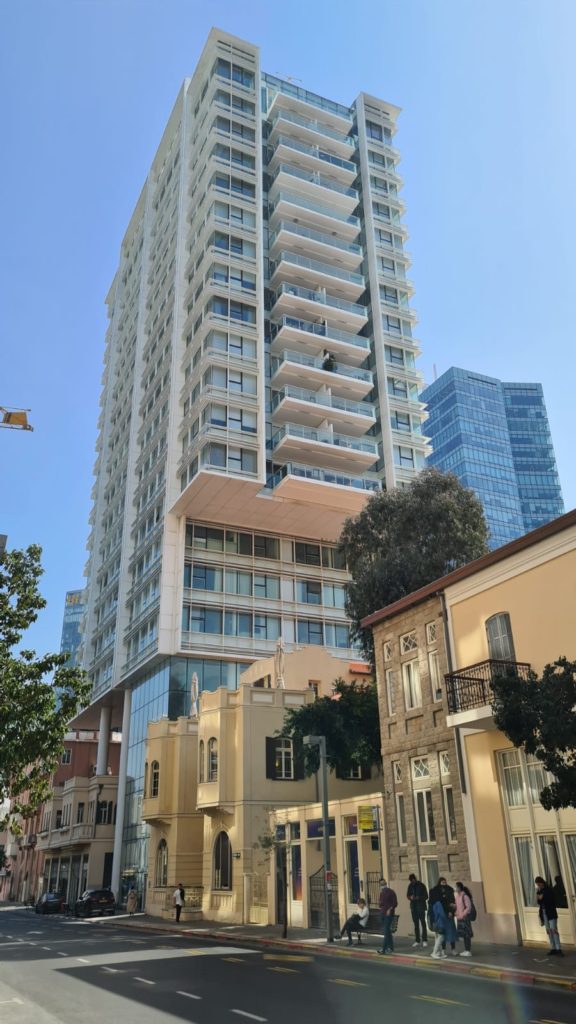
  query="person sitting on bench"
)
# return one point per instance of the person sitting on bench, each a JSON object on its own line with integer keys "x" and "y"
{"x": 356, "y": 923}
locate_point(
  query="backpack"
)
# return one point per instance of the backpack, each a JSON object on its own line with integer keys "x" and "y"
{"x": 472, "y": 913}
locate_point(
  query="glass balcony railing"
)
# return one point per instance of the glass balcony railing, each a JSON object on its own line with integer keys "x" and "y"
{"x": 323, "y": 475}
{"x": 317, "y": 179}
{"x": 307, "y": 204}
{"x": 315, "y": 236}
{"x": 322, "y": 298}
{"x": 321, "y": 268}
{"x": 321, "y": 398}
{"x": 324, "y": 437}
{"x": 315, "y": 151}
{"x": 320, "y": 331}
{"x": 353, "y": 372}
{"x": 290, "y": 89}
{"x": 315, "y": 126}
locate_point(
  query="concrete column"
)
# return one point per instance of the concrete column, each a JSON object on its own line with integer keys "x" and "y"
{"x": 121, "y": 801}
{"x": 103, "y": 740}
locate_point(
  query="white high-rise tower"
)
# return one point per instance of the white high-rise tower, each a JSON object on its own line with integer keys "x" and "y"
{"x": 259, "y": 384}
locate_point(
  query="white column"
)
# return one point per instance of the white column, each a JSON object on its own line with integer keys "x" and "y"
{"x": 103, "y": 740}
{"x": 121, "y": 800}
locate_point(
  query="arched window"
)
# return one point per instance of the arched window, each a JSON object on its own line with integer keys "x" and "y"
{"x": 155, "y": 779}
{"x": 499, "y": 634}
{"x": 213, "y": 760}
{"x": 162, "y": 863}
{"x": 201, "y": 761}
{"x": 222, "y": 862}
{"x": 146, "y": 779}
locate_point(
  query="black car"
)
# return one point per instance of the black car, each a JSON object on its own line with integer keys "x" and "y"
{"x": 95, "y": 901}
{"x": 49, "y": 903}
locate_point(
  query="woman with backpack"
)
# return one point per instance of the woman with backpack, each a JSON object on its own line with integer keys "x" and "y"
{"x": 465, "y": 914}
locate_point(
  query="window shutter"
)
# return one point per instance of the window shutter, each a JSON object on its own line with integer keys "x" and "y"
{"x": 298, "y": 753}
{"x": 365, "y": 771}
{"x": 270, "y": 757}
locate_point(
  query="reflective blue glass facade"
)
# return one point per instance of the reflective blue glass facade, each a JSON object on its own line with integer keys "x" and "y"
{"x": 73, "y": 612}
{"x": 495, "y": 437}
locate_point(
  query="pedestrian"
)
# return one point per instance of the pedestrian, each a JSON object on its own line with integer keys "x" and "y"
{"x": 356, "y": 923}
{"x": 560, "y": 897}
{"x": 449, "y": 903}
{"x": 463, "y": 911}
{"x": 388, "y": 902}
{"x": 548, "y": 914}
{"x": 417, "y": 895}
{"x": 178, "y": 899}
{"x": 132, "y": 902}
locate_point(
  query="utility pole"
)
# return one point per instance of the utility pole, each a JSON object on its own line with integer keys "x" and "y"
{"x": 320, "y": 742}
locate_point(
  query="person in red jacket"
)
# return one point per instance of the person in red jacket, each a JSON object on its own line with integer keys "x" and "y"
{"x": 388, "y": 902}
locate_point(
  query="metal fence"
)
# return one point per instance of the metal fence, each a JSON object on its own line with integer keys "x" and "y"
{"x": 471, "y": 687}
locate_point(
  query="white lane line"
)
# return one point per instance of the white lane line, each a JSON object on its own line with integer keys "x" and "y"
{"x": 49, "y": 948}
{"x": 58, "y": 953}
{"x": 112, "y": 970}
{"x": 145, "y": 981}
{"x": 4, "y": 1002}
{"x": 81, "y": 960}
{"x": 189, "y": 995}
{"x": 251, "y": 1016}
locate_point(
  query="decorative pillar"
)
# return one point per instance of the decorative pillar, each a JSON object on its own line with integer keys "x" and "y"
{"x": 103, "y": 740}
{"x": 121, "y": 800}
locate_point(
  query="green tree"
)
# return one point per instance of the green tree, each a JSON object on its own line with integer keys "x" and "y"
{"x": 539, "y": 714}
{"x": 349, "y": 721}
{"x": 406, "y": 538}
{"x": 38, "y": 695}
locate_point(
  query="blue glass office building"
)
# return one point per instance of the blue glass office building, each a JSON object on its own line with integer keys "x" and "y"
{"x": 495, "y": 437}
{"x": 71, "y": 636}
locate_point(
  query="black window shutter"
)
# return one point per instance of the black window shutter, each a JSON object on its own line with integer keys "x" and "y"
{"x": 270, "y": 757}
{"x": 298, "y": 753}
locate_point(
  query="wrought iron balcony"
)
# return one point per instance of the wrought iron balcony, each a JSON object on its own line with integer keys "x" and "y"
{"x": 471, "y": 687}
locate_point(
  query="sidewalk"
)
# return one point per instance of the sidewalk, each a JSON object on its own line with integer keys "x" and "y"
{"x": 526, "y": 965}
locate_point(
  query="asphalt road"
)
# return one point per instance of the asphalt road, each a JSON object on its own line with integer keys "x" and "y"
{"x": 58, "y": 971}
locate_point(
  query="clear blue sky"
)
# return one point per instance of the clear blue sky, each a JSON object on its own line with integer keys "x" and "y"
{"x": 488, "y": 143}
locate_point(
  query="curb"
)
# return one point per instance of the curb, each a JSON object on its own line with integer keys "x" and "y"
{"x": 503, "y": 974}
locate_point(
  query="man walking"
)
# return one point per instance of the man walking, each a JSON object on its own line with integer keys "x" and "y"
{"x": 178, "y": 899}
{"x": 417, "y": 895}
{"x": 388, "y": 902}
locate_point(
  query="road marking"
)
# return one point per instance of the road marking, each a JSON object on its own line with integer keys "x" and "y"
{"x": 189, "y": 995}
{"x": 134, "y": 956}
{"x": 49, "y": 948}
{"x": 4, "y": 1002}
{"x": 81, "y": 960}
{"x": 251, "y": 1016}
{"x": 111, "y": 970}
{"x": 283, "y": 970}
{"x": 33, "y": 933}
{"x": 58, "y": 953}
{"x": 145, "y": 981}
{"x": 347, "y": 981}
{"x": 233, "y": 960}
{"x": 440, "y": 1000}
{"x": 545, "y": 1020}
{"x": 290, "y": 959}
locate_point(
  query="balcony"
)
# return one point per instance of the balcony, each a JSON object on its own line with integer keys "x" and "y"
{"x": 314, "y": 158}
{"x": 313, "y": 408}
{"x": 346, "y": 381}
{"x": 323, "y": 448}
{"x": 285, "y": 205}
{"x": 324, "y": 476}
{"x": 316, "y": 186}
{"x": 290, "y": 298}
{"x": 308, "y": 104}
{"x": 311, "y": 131}
{"x": 469, "y": 691}
{"x": 291, "y": 267}
{"x": 294, "y": 236}
{"x": 312, "y": 338}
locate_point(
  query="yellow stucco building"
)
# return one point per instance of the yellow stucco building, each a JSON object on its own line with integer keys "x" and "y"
{"x": 516, "y": 604}
{"x": 214, "y": 783}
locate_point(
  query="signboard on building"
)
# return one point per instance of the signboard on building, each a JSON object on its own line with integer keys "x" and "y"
{"x": 368, "y": 818}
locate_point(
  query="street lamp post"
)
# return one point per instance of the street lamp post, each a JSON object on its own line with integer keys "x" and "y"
{"x": 320, "y": 742}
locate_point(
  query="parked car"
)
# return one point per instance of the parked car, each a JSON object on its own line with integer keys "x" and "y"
{"x": 95, "y": 901}
{"x": 50, "y": 903}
